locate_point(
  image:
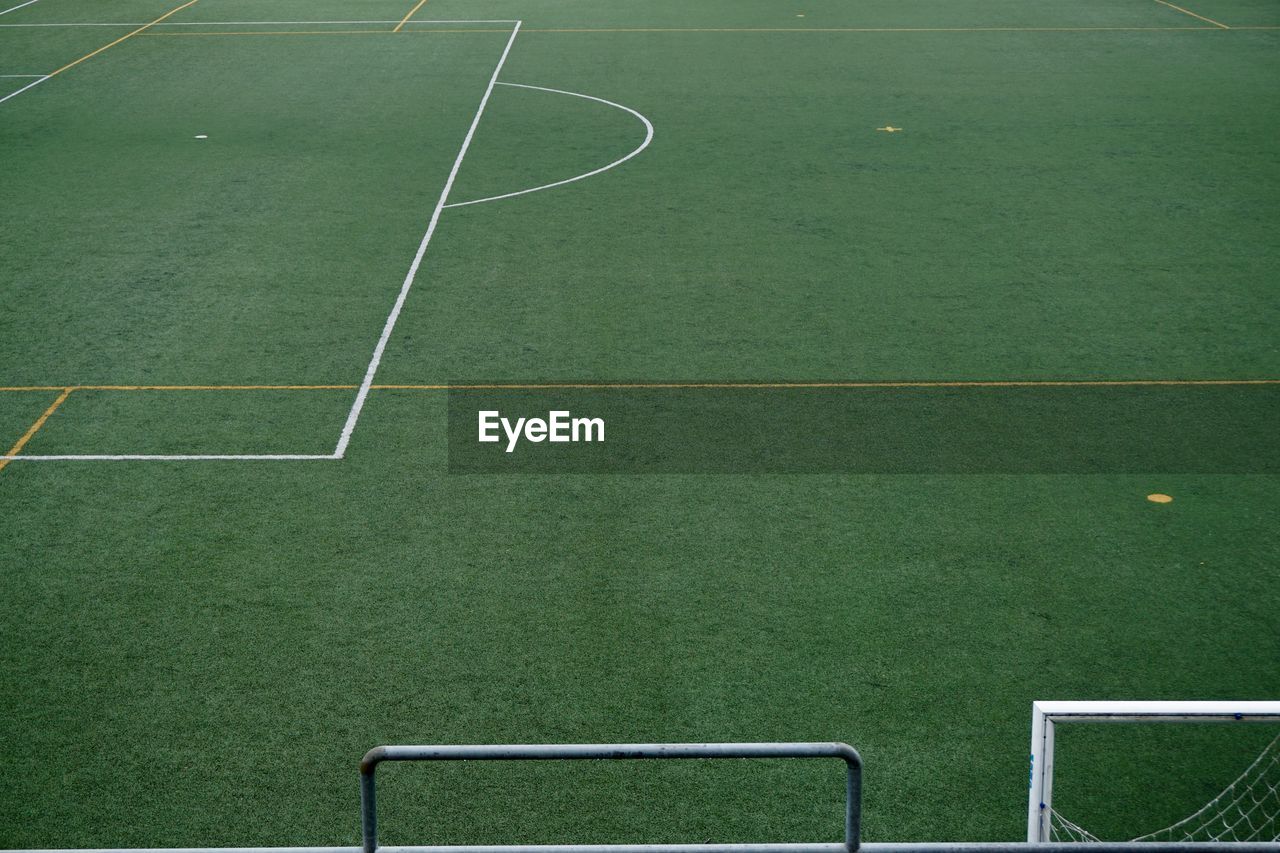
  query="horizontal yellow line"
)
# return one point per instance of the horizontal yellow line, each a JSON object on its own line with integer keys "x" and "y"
{"x": 801, "y": 385}
{"x": 535, "y": 386}
{"x": 413, "y": 29}
{"x": 856, "y": 29}
{"x": 317, "y": 32}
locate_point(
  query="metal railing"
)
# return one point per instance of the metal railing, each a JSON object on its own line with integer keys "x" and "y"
{"x": 868, "y": 847}
{"x": 853, "y": 808}
{"x": 625, "y": 751}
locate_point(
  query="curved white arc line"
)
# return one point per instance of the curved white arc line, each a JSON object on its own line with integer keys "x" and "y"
{"x": 648, "y": 137}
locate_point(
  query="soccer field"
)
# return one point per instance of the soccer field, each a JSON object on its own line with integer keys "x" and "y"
{"x": 936, "y": 294}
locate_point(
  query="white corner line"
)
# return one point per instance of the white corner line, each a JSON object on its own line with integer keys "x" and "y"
{"x": 648, "y": 137}
{"x": 163, "y": 457}
{"x": 19, "y": 6}
{"x": 390, "y": 325}
{"x": 24, "y": 88}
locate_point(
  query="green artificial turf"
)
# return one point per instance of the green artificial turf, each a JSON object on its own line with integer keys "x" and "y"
{"x": 1143, "y": 765}
{"x": 19, "y": 411}
{"x": 197, "y": 653}
{"x": 260, "y": 421}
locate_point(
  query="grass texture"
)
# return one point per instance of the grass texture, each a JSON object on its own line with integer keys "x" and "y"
{"x": 197, "y": 654}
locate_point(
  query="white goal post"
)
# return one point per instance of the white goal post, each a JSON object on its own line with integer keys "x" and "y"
{"x": 1045, "y": 715}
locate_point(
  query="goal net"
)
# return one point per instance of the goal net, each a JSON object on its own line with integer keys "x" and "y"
{"x": 1246, "y": 809}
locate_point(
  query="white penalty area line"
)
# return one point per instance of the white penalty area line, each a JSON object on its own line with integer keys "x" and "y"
{"x": 414, "y": 21}
{"x": 40, "y": 79}
{"x": 161, "y": 457}
{"x": 648, "y": 137}
{"x": 389, "y": 326}
{"x": 244, "y": 23}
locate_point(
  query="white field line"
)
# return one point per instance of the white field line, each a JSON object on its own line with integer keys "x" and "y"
{"x": 245, "y": 23}
{"x": 153, "y": 457}
{"x": 414, "y": 21}
{"x": 390, "y": 325}
{"x": 648, "y": 137}
{"x": 30, "y": 85}
{"x": 16, "y": 8}
{"x": 15, "y": 26}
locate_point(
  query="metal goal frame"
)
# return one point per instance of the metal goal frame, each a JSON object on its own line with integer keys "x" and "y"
{"x": 1046, "y": 715}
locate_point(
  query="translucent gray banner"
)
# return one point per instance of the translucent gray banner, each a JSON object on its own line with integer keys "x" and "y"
{"x": 881, "y": 429}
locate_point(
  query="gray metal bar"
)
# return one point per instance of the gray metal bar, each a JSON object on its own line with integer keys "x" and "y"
{"x": 640, "y": 751}
{"x": 869, "y": 847}
{"x": 833, "y": 847}
{"x": 570, "y": 751}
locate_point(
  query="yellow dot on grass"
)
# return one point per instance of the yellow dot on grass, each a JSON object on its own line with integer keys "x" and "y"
{"x": 1158, "y": 498}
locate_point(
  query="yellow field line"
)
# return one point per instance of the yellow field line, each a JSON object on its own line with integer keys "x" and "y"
{"x": 861, "y": 29}
{"x": 158, "y": 33}
{"x": 124, "y": 37}
{"x": 406, "y": 18}
{"x": 1187, "y": 29}
{"x": 1028, "y": 383}
{"x": 35, "y": 428}
{"x": 534, "y": 386}
{"x": 1193, "y": 14}
{"x": 801, "y": 385}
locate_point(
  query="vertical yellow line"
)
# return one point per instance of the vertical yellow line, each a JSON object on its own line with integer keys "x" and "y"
{"x": 35, "y": 428}
{"x": 123, "y": 38}
{"x": 406, "y": 18}
{"x": 1194, "y": 15}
